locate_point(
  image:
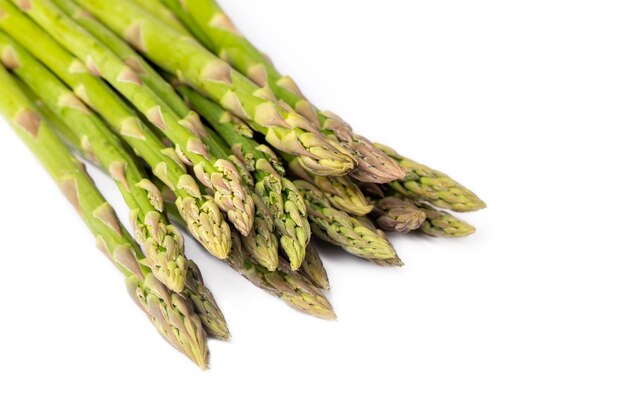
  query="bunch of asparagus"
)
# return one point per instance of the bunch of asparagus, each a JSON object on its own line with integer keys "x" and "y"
{"x": 201, "y": 133}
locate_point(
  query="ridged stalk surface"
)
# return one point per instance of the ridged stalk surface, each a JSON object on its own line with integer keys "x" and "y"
{"x": 170, "y": 313}
{"x": 202, "y": 215}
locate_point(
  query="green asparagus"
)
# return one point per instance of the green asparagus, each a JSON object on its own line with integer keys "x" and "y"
{"x": 342, "y": 229}
{"x": 201, "y": 214}
{"x": 398, "y": 214}
{"x": 342, "y": 192}
{"x": 162, "y": 242}
{"x": 208, "y": 22}
{"x": 170, "y": 313}
{"x": 175, "y": 7}
{"x": 260, "y": 241}
{"x": 283, "y": 128}
{"x": 290, "y": 286}
{"x": 313, "y": 269}
{"x": 219, "y": 175}
{"x": 159, "y": 10}
{"x": 424, "y": 183}
{"x": 285, "y": 283}
{"x": 440, "y": 223}
{"x": 436, "y": 223}
{"x": 278, "y": 193}
{"x": 204, "y": 303}
{"x": 119, "y": 47}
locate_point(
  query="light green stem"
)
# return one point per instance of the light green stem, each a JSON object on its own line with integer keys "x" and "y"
{"x": 171, "y": 313}
{"x": 424, "y": 183}
{"x": 201, "y": 213}
{"x": 279, "y": 194}
{"x": 208, "y": 22}
{"x": 162, "y": 242}
{"x": 204, "y": 303}
{"x": 342, "y": 229}
{"x": 219, "y": 175}
{"x": 283, "y": 128}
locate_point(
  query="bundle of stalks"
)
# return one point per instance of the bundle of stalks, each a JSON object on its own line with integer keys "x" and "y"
{"x": 198, "y": 128}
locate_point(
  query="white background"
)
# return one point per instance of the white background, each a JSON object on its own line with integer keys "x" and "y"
{"x": 522, "y": 101}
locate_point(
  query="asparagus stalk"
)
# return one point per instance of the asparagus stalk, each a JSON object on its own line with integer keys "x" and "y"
{"x": 201, "y": 214}
{"x": 219, "y": 175}
{"x": 436, "y": 223}
{"x": 424, "y": 183}
{"x": 260, "y": 241}
{"x": 313, "y": 269}
{"x": 395, "y": 261}
{"x": 440, "y": 223}
{"x": 398, "y": 214}
{"x": 211, "y": 26}
{"x": 278, "y": 193}
{"x": 283, "y": 128}
{"x": 342, "y": 229}
{"x": 342, "y": 192}
{"x": 170, "y": 313}
{"x": 162, "y": 242}
{"x": 175, "y": 7}
{"x": 204, "y": 303}
{"x": 290, "y": 286}
{"x": 206, "y": 307}
{"x": 119, "y": 47}
{"x": 158, "y": 9}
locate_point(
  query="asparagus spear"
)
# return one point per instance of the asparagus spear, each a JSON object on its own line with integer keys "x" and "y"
{"x": 278, "y": 193}
{"x": 395, "y": 261}
{"x": 159, "y": 10}
{"x": 201, "y": 214}
{"x": 211, "y": 26}
{"x": 284, "y": 283}
{"x": 204, "y": 303}
{"x": 219, "y": 175}
{"x": 313, "y": 269}
{"x": 117, "y": 45}
{"x": 424, "y": 183}
{"x": 211, "y": 316}
{"x": 283, "y": 128}
{"x": 437, "y": 223}
{"x": 342, "y": 229}
{"x": 440, "y": 223}
{"x": 290, "y": 286}
{"x": 260, "y": 241}
{"x": 176, "y": 7}
{"x": 342, "y": 192}
{"x": 170, "y": 313}
{"x": 398, "y": 214}
{"x": 162, "y": 242}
